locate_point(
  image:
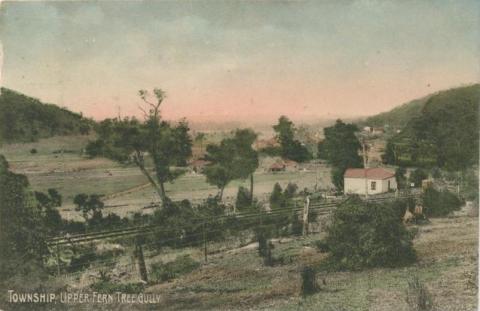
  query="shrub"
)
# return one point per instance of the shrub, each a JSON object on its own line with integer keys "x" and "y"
{"x": 440, "y": 203}
{"x": 167, "y": 271}
{"x": 82, "y": 261}
{"x": 400, "y": 177}
{"x": 268, "y": 259}
{"x": 33, "y": 151}
{"x": 322, "y": 246}
{"x": 418, "y": 298}
{"x": 290, "y": 190}
{"x": 309, "y": 282}
{"x": 243, "y": 199}
{"x": 72, "y": 226}
{"x": 367, "y": 235}
{"x": 262, "y": 242}
{"x": 276, "y": 197}
{"x": 417, "y": 176}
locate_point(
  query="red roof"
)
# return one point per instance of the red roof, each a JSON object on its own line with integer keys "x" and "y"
{"x": 371, "y": 173}
{"x": 277, "y": 165}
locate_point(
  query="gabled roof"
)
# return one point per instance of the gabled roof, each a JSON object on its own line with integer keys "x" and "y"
{"x": 370, "y": 173}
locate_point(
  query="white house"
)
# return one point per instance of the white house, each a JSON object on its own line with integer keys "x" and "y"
{"x": 379, "y": 180}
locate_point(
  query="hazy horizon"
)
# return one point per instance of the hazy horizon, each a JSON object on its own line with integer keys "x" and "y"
{"x": 239, "y": 61}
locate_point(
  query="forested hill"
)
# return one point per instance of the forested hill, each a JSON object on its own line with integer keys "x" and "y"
{"x": 25, "y": 119}
{"x": 398, "y": 117}
{"x": 445, "y": 133}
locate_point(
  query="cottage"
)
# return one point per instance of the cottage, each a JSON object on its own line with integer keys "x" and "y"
{"x": 199, "y": 165}
{"x": 378, "y": 180}
{"x": 277, "y": 167}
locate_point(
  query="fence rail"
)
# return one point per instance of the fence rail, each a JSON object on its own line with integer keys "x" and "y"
{"x": 320, "y": 207}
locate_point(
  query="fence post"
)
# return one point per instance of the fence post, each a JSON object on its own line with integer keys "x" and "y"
{"x": 305, "y": 215}
{"x": 204, "y": 242}
{"x": 58, "y": 260}
{"x": 141, "y": 261}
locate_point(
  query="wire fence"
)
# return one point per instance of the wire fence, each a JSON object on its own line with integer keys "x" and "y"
{"x": 206, "y": 234}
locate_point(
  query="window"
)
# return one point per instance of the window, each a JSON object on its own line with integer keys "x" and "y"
{"x": 373, "y": 185}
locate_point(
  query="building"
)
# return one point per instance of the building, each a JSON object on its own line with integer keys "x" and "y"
{"x": 277, "y": 167}
{"x": 378, "y": 180}
{"x": 199, "y": 165}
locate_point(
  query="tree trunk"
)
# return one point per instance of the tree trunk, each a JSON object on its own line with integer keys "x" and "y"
{"x": 163, "y": 196}
{"x": 141, "y": 262}
{"x": 160, "y": 191}
{"x": 220, "y": 195}
{"x": 251, "y": 188}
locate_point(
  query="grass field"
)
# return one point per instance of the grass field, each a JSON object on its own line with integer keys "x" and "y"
{"x": 447, "y": 251}
{"x": 72, "y": 173}
{"x": 447, "y": 264}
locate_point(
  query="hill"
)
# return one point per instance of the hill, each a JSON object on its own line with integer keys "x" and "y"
{"x": 445, "y": 133}
{"x": 398, "y": 117}
{"x": 27, "y": 119}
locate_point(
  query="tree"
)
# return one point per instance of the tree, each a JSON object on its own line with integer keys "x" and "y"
{"x": 366, "y": 235}
{"x": 243, "y": 200}
{"x": 417, "y": 176}
{"x": 165, "y": 144}
{"x": 444, "y": 134}
{"x": 400, "y": 177}
{"x": 200, "y": 138}
{"x": 90, "y": 205}
{"x": 341, "y": 149}
{"x": 276, "y": 197}
{"x": 22, "y": 229}
{"x": 233, "y": 158}
{"x": 290, "y": 147}
{"x": 244, "y": 139}
{"x": 47, "y": 204}
{"x": 440, "y": 203}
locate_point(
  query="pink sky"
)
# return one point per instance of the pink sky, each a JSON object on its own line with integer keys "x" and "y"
{"x": 239, "y": 60}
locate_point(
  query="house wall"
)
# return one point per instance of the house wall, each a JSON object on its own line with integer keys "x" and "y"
{"x": 357, "y": 185}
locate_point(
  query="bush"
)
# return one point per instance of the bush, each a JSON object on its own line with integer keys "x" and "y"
{"x": 33, "y": 151}
{"x": 73, "y": 227}
{"x": 180, "y": 266}
{"x": 276, "y": 197}
{"x": 322, "y": 246}
{"x": 440, "y": 203}
{"x": 309, "y": 282}
{"x": 366, "y": 235}
{"x": 82, "y": 261}
{"x": 418, "y": 298}
{"x": 243, "y": 199}
{"x": 417, "y": 176}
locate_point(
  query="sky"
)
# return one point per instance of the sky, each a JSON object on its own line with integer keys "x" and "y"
{"x": 239, "y": 60}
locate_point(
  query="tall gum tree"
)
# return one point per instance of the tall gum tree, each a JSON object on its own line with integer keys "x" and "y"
{"x": 166, "y": 145}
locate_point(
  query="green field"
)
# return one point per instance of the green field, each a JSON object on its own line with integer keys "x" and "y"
{"x": 72, "y": 173}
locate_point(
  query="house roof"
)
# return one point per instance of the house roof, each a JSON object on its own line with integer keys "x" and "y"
{"x": 371, "y": 173}
{"x": 277, "y": 165}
